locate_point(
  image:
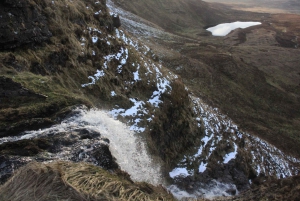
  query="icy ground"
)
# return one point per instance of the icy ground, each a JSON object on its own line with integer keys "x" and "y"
{"x": 266, "y": 158}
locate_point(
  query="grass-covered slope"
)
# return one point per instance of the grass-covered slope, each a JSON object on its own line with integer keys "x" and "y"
{"x": 54, "y": 68}
{"x": 76, "y": 181}
{"x": 87, "y": 60}
{"x": 252, "y": 74}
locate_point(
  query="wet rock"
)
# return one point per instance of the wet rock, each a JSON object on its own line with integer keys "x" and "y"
{"x": 12, "y": 96}
{"x": 10, "y": 90}
{"x": 106, "y": 140}
{"x": 226, "y": 179}
{"x": 88, "y": 134}
{"x": 104, "y": 157}
{"x": 230, "y": 173}
{"x": 231, "y": 191}
{"x": 69, "y": 112}
{"x": 21, "y": 24}
{"x": 15, "y": 128}
{"x": 78, "y": 145}
{"x": 116, "y": 21}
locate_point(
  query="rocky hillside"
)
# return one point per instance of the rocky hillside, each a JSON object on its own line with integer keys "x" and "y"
{"x": 72, "y": 71}
{"x": 81, "y": 60}
{"x": 212, "y": 69}
{"x": 57, "y": 54}
{"x": 240, "y": 74}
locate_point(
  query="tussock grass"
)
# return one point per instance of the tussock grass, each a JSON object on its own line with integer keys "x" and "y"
{"x": 75, "y": 181}
{"x": 58, "y": 67}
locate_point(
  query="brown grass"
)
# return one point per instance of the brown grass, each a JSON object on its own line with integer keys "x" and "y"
{"x": 56, "y": 68}
{"x": 75, "y": 181}
{"x": 250, "y": 83}
{"x": 174, "y": 130}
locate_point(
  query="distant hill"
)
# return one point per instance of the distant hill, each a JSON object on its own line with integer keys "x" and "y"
{"x": 184, "y": 17}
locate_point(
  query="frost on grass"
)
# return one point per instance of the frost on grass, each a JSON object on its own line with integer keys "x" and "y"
{"x": 136, "y": 76}
{"x": 98, "y": 12}
{"x": 94, "y": 39}
{"x": 162, "y": 85}
{"x": 94, "y": 78}
{"x": 266, "y": 158}
{"x": 121, "y": 56}
{"x": 113, "y": 93}
{"x": 136, "y": 112}
{"x": 139, "y": 114}
{"x": 202, "y": 167}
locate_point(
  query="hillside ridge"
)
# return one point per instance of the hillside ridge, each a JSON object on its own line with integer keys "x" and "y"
{"x": 65, "y": 94}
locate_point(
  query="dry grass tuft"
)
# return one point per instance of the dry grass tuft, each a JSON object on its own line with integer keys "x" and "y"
{"x": 75, "y": 181}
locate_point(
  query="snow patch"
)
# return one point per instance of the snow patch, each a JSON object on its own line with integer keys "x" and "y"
{"x": 179, "y": 172}
{"x": 231, "y": 155}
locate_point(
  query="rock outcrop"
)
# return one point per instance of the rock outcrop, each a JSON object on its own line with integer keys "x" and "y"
{"x": 10, "y": 91}
{"x": 21, "y": 24}
{"x": 79, "y": 145}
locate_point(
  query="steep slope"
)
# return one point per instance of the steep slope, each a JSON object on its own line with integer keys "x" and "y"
{"x": 211, "y": 69}
{"x": 85, "y": 60}
{"x": 241, "y": 74}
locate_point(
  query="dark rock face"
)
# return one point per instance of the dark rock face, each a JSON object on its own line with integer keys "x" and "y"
{"x": 74, "y": 145}
{"x": 116, "y": 21}
{"x": 10, "y": 89}
{"x": 230, "y": 173}
{"x": 20, "y": 24}
{"x": 12, "y": 95}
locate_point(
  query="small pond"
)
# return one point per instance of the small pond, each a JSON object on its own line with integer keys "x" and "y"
{"x": 226, "y": 28}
